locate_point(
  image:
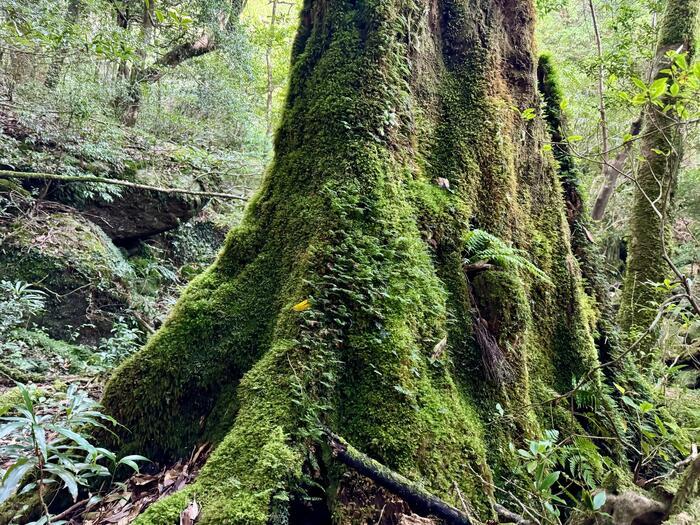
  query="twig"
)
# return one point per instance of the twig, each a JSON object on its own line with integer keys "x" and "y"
{"x": 510, "y": 515}
{"x": 70, "y": 510}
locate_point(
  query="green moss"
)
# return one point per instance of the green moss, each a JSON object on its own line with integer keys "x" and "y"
{"x": 351, "y": 218}
{"x": 8, "y": 185}
{"x": 21, "y": 509}
{"x": 46, "y": 354}
{"x": 9, "y": 398}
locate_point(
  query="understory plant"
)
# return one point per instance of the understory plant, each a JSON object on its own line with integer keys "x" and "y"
{"x": 46, "y": 447}
{"x": 555, "y": 475}
{"x": 19, "y": 301}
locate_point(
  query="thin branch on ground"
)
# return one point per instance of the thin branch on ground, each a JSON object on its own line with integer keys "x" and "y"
{"x": 93, "y": 178}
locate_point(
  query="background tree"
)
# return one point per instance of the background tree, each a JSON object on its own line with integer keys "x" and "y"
{"x": 655, "y": 180}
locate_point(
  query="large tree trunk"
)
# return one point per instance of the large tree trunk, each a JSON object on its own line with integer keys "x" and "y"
{"x": 331, "y": 302}
{"x": 655, "y": 181}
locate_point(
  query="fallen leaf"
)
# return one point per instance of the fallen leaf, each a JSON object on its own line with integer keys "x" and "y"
{"x": 443, "y": 183}
{"x": 300, "y": 307}
{"x": 439, "y": 348}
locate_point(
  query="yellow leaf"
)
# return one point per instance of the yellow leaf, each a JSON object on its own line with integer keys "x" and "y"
{"x": 300, "y": 307}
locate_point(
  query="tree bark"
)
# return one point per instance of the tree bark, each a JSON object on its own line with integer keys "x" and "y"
{"x": 655, "y": 182}
{"x": 327, "y": 303}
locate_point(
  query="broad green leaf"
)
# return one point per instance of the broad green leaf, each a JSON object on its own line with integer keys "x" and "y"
{"x": 658, "y": 88}
{"x": 40, "y": 437}
{"x": 68, "y": 478}
{"x": 645, "y": 407}
{"x": 641, "y": 85}
{"x": 681, "y": 61}
{"x": 73, "y": 436}
{"x": 549, "y": 480}
{"x": 14, "y": 476}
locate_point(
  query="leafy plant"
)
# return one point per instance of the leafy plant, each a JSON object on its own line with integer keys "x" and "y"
{"x": 538, "y": 467}
{"x": 559, "y": 475}
{"x": 18, "y": 302}
{"x": 124, "y": 341}
{"x": 483, "y": 249}
{"x": 50, "y": 446}
{"x": 660, "y": 436}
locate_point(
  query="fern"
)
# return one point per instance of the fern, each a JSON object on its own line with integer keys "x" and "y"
{"x": 583, "y": 461}
{"x": 482, "y": 247}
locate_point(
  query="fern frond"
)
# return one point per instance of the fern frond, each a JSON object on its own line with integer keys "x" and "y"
{"x": 481, "y": 246}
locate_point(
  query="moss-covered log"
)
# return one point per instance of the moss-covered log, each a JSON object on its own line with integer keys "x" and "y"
{"x": 332, "y": 301}
{"x": 655, "y": 181}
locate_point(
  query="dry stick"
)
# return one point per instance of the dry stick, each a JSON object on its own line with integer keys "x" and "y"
{"x": 417, "y": 497}
{"x": 511, "y": 516}
{"x": 70, "y": 510}
{"x": 117, "y": 182}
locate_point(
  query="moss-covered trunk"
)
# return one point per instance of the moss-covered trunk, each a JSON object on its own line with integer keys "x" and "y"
{"x": 332, "y": 300}
{"x": 655, "y": 181}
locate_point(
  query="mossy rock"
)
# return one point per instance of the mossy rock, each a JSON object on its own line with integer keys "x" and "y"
{"x": 8, "y": 186}
{"x": 83, "y": 273}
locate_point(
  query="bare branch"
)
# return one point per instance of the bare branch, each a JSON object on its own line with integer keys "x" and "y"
{"x": 117, "y": 182}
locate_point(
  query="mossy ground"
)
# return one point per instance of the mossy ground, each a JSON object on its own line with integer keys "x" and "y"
{"x": 385, "y": 99}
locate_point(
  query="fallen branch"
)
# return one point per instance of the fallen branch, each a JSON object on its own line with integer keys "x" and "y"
{"x": 418, "y": 498}
{"x": 10, "y": 375}
{"x": 91, "y": 178}
{"x": 510, "y": 516}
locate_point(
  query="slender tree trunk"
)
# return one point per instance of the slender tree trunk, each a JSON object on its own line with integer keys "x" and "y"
{"x": 268, "y": 66}
{"x": 53, "y": 75}
{"x": 601, "y": 89}
{"x": 611, "y": 174}
{"x": 341, "y": 300}
{"x": 655, "y": 181}
{"x": 131, "y": 104}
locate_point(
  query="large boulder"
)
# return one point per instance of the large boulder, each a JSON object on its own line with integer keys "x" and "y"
{"x": 83, "y": 274}
{"x": 126, "y": 215}
{"x": 136, "y": 214}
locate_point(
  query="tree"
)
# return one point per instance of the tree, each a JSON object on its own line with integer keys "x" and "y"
{"x": 218, "y": 19}
{"x": 53, "y": 73}
{"x": 648, "y": 262}
{"x": 342, "y": 300}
